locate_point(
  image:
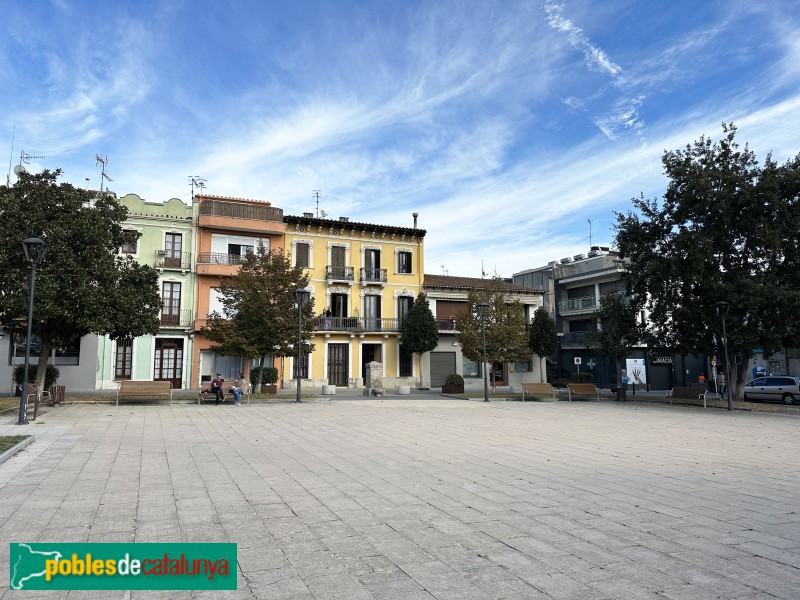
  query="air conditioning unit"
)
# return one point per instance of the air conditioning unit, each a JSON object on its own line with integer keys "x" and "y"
{"x": 594, "y": 253}
{"x": 566, "y": 260}
{"x": 579, "y": 257}
{"x": 161, "y": 252}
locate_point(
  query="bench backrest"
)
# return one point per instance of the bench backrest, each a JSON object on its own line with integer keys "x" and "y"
{"x": 582, "y": 388}
{"x": 145, "y": 386}
{"x": 537, "y": 388}
{"x": 692, "y": 391}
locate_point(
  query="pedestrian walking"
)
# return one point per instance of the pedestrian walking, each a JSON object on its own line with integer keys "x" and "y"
{"x": 624, "y": 380}
{"x": 720, "y": 381}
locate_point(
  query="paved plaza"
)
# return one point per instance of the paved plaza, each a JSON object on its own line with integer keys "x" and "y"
{"x": 425, "y": 498}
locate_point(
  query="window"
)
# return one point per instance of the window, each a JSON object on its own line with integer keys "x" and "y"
{"x": 65, "y": 355}
{"x": 372, "y": 259}
{"x": 471, "y": 368}
{"x": 301, "y": 255}
{"x": 404, "y": 262}
{"x": 173, "y": 247}
{"x": 339, "y": 305}
{"x": 215, "y": 304}
{"x": 131, "y": 247}
{"x": 170, "y": 303}
{"x": 404, "y": 304}
{"x": 303, "y": 368}
{"x": 123, "y": 360}
{"x": 406, "y": 362}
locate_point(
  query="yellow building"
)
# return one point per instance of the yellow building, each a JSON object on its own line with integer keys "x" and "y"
{"x": 364, "y": 279}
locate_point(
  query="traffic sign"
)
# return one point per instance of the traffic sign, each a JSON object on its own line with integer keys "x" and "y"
{"x": 577, "y": 360}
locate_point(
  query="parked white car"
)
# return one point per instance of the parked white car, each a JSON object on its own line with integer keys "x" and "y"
{"x": 779, "y": 387}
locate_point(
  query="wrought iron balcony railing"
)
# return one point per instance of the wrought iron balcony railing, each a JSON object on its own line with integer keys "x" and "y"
{"x": 169, "y": 259}
{"x": 357, "y": 324}
{"x": 373, "y": 275}
{"x": 339, "y": 273}
{"x": 176, "y": 318}
{"x": 219, "y": 258}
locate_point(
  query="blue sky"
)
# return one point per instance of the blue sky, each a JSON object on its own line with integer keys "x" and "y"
{"x": 506, "y": 125}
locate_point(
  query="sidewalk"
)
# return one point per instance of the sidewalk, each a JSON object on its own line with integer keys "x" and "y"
{"x": 426, "y": 497}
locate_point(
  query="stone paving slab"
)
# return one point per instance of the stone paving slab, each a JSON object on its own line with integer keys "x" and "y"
{"x": 425, "y": 498}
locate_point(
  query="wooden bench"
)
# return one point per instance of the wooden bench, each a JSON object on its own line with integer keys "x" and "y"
{"x": 35, "y": 396}
{"x": 144, "y": 390}
{"x": 585, "y": 390}
{"x": 539, "y": 389}
{"x": 227, "y": 388}
{"x": 689, "y": 392}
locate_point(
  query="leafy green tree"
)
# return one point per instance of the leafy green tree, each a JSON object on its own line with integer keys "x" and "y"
{"x": 260, "y": 310}
{"x": 543, "y": 338}
{"x": 83, "y": 285}
{"x": 726, "y": 229}
{"x": 420, "y": 333}
{"x": 619, "y": 329}
{"x": 506, "y": 335}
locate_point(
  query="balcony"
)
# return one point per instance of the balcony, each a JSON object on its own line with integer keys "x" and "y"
{"x": 169, "y": 259}
{"x": 373, "y": 276}
{"x": 578, "y": 305}
{"x": 218, "y": 263}
{"x": 239, "y": 216}
{"x": 574, "y": 339}
{"x": 338, "y": 273}
{"x": 176, "y": 318}
{"x": 356, "y": 324}
{"x": 446, "y": 324}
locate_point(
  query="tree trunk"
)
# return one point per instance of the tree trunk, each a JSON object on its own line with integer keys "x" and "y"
{"x": 41, "y": 369}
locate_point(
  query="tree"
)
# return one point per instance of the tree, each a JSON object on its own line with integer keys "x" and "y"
{"x": 619, "y": 329}
{"x": 83, "y": 285}
{"x": 260, "y": 310}
{"x": 420, "y": 333}
{"x": 726, "y": 229}
{"x": 542, "y": 338}
{"x": 506, "y": 336}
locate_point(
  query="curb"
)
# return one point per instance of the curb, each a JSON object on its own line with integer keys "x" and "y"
{"x": 16, "y": 448}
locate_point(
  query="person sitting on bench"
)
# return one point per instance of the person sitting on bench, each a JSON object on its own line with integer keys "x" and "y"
{"x": 216, "y": 388}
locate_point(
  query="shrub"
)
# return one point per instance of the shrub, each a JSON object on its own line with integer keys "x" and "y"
{"x": 582, "y": 378}
{"x": 50, "y": 376}
{"x": 454, "y": 379}
{"x": 269, "y": 375}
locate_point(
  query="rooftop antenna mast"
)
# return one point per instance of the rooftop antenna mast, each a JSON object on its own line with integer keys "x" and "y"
{"x": 102, "y": 160}
{"x": 24, "y": 157}
{"x": 590, "y": 233}
{"x": 11, "y": 155}
{"x": 197, "y": 182}
{"x": 316, "y": 194}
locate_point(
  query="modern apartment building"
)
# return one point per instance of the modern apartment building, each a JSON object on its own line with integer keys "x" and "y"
{"x": 226, "y": 229}
{"x": 447, "y": 296}
{"x": 166, "y": 236}
{"x": 574, "y": 286}
{"x": 367, "y": 275}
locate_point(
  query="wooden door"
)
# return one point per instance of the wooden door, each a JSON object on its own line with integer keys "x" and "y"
{"x": 338, "y": 363}
{"x": 168, "y": 361}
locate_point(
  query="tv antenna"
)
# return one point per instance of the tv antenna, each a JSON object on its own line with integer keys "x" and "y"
{"x": 102, "y": 160}
{"x": 590, "y": 233}
{"x": 197, "y": 182}
{"x": 322, "y": 213}
{"x": 11, "y": 155}
{"x": 24, "y": 157}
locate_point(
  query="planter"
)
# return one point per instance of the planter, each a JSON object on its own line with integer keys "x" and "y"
{"x": 269, "y": 388}
{"x": 452, "y": 389}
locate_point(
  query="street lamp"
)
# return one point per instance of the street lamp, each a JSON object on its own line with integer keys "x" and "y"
{"x": 482, "y": 310}
{"x": 300, "y": 295}
{"x": 722, "y": 307}
{"x": 34, "y": 253}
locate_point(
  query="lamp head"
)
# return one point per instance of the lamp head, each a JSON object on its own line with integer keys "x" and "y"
{"x": 34, "y": 249}
{"x": 722, "y": 307}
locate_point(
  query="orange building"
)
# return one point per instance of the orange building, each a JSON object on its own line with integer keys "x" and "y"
{"x": 226, "y": 229}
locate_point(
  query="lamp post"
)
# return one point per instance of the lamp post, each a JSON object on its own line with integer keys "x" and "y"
{"x": 482, "y": 307}
{"x": 722, "y": 307}
{"x": 300, "y": 295}
{"x": 34, "y": 253}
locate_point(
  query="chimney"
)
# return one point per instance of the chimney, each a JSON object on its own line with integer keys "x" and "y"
{"x": 415, "y": 215}
{"x": 344, "y": 219}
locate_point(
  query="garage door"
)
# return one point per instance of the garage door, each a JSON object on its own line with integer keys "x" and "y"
{"x": 442, "y": 364}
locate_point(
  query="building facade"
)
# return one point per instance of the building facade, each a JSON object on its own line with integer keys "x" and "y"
{"x": 226, "y": 229}
{"x": 166, "y": 233}
{"x": 363, "y": 280}
{"x": 447, "y": 296}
